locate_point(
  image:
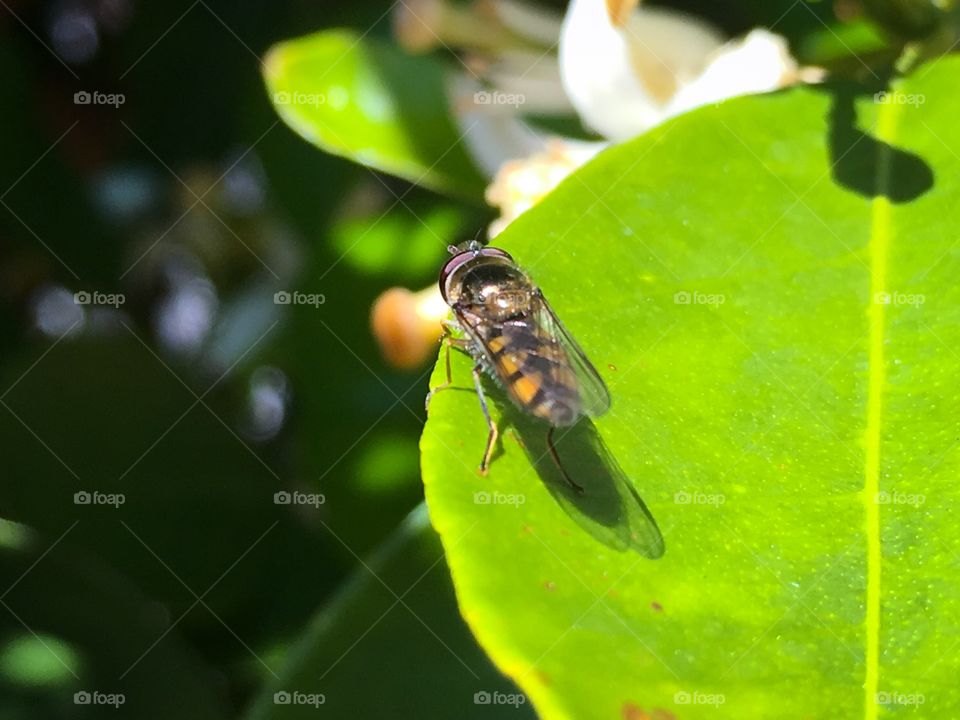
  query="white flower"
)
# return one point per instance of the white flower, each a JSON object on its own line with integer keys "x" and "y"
{"x": 621, "y": 67}
{"x": 627, "y": 69}
{"x": 520, "y": 184}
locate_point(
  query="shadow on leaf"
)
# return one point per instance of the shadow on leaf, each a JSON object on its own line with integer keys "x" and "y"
{"x": 609, "y": 507}
{"x": 864, "y": 164}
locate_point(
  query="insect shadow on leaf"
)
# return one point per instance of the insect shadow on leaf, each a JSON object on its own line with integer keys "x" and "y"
{"x": 608, "y": 507}
{"x": 863, "y": 163}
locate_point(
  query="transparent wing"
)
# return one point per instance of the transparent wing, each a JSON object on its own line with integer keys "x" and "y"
{"x": 594, "y": 397}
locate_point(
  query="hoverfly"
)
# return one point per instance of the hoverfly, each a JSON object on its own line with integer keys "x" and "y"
{"x": 513, "y": 334}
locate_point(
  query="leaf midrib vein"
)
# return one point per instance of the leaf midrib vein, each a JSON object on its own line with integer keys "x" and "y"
{"x": 880, "y": 237}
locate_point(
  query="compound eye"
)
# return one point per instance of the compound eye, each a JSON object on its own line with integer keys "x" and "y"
{"x": 451, "y": 265}
{"x": 496, "y": 252}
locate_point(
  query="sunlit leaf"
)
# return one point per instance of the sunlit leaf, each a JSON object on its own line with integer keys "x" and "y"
{"x": 768, "y": 287}
{"x": 368, "y": 101}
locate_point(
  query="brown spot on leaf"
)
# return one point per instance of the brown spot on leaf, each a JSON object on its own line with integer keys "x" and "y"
{"x": 612, "y": 367}
{"x": 656, "y": 606}
{"x": 550, "y": 585}
{"x": 632, "y": 711}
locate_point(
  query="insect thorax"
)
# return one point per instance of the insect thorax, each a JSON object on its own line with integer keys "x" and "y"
{"x": 499, "y": 292}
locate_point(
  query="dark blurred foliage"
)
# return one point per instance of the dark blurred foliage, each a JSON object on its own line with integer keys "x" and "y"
{"x": 199, "y": 397}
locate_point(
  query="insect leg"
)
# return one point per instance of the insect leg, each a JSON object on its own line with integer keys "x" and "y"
{"x": 448, "y": 341}
{"x": 556, "y": 458}
{"x": 494, "y": 433}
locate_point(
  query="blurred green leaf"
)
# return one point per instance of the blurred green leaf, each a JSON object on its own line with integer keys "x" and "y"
{"x": 394, "y": 624}
{"x": 107, "y": 416}
{"x": 839, "y": 41}
{"x": 768, "y": 286}
{"x": 366, "y": 100}
{"x": 912, "y": 19}
{"x": 35, "y": 168}
{"x": 401, "y": 244}
{"x": 105, "y": 638}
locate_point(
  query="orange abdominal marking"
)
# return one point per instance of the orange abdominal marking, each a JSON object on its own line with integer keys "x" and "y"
{"x": 507, "y": 365}
{"x": 525, "y": 388}
{"x": 495, "y": 344}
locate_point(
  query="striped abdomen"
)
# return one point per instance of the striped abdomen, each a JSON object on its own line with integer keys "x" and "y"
{"x": 535, "y": 371}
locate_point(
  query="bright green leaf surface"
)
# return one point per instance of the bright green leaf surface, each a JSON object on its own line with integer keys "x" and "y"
{"x": 370, "y": 102}
{"x": 769, "y": 287}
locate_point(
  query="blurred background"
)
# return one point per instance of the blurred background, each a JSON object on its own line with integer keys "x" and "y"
{"x": 157, "y": 393}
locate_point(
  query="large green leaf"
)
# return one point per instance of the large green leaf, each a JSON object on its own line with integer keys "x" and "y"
{"x": 769, "y": 288}
{"x": 368, "y": 101}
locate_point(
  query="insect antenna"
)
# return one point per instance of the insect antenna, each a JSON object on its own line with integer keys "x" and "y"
{"x": 556, "y": 459}
{"x": 476, "y": 244}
